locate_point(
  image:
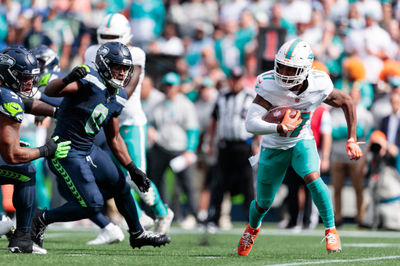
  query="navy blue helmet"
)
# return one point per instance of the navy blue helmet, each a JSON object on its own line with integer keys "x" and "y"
{"x": 111, "y": 57}
{"x": 19, "y": 70}
{"x": 47, "y": 59}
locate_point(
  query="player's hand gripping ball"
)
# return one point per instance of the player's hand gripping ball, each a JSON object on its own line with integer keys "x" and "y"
{"x": 289, "y": 118}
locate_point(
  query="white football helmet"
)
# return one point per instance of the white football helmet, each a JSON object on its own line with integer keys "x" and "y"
{"x": 114, "y": 28}
{"x": 296, "y": 54}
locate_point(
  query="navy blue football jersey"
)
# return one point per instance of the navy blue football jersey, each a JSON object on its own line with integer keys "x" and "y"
{"x": 11, "y": 104}
{"x": 81, "y": 116}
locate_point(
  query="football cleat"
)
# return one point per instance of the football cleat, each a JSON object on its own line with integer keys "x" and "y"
{"x": 38, "y": 228}
{"x": 163, "y": 224}
{"x": 21, "y": 242}
{"x": 247, "y": 240}
{"x": 108, "y": 235}
{"x": 148, "y": 238}
{"x": 6, "y": 225}
{"x": 332, "y": 240}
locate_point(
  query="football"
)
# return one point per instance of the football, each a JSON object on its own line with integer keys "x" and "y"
{"x": 276, "y": 115}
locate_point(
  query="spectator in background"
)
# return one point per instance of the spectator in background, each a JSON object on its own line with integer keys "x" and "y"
{"x": 354, "y": 76}
{"x": 3, "y": 31}
{"x": 174, "y": 130}
{"x": 60, "y": 32}
{"x": 342, "y": 168}
{"x": 382, "y": 107}
{"x": 147, "y": 19}
{"x": 169, "y": 43}
{"x": 235, "y": 174}
{"x": 330, "y": 50}
{"x": 196, "y": 46}
{"x": 383, "y": 210}
{"x": 206, "y": 165}
{"x": 150, "y": 96}
{"x": 188, "y": 14}
{"x": 278, "y": 21}
{"x": 36, "y": 36}
{"x": 390, "y": 125}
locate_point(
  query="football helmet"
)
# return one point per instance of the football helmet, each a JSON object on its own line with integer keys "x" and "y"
{"x": 297, "y": 58}
{"x": 114, "y": 28}
{"x": 19, "y": 70}
{"x": 111, "y": 56}
{"x": 47, "y": 59}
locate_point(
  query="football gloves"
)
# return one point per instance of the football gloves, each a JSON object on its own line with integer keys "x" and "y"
{"x": 289, "y": 124}
{"x": 55, "y": 150}
{"x": 138, "y": 177}
{"x": 76, "y": 74}
{"x": 353, "y": 149}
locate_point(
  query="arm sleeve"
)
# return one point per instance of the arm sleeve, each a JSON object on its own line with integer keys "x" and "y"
{"x": 254, "y": 122}
{"x": 192, "y": 139}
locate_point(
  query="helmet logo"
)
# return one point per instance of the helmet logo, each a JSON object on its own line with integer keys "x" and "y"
{"x": 103, "y": 50}
{"x": 6, "y": 60}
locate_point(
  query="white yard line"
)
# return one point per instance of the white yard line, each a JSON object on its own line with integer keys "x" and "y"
{"x": 336, "y": 261}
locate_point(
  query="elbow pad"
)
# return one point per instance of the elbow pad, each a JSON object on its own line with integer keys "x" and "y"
{"x": 255, "y": 123}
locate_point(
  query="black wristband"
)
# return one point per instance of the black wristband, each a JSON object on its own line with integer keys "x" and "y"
{"x": 43, "y": 151}
{"x": 130, "y": 166}
{"x": 28, "y": 103}
{"x": 66, "y": 80}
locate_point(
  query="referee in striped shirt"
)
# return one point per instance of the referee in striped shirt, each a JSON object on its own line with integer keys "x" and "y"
{"x": 235, "y": 174}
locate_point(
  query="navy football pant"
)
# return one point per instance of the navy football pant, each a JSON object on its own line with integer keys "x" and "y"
{"x": 22, "y": 176}
{"x": 86, "y": 181}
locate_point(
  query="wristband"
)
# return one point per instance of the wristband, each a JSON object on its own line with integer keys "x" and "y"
{"x": 43, "y": 151}
{"x": 130, "y": 166}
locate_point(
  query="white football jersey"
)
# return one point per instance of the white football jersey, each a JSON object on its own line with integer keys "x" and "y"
{"x": 132, "y": 114}
{"x": 319, "y": 87}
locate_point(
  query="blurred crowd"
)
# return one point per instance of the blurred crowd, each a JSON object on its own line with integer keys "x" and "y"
{"x": 217, "y": 47}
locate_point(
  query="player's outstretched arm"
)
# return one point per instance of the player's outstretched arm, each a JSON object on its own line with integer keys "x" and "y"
{"x": 68, "y": 85}
{"x": 254, "y": 118}
{"x": 37, "y": 107}
{"x": 120, "y": 151}
{"x": 13, "y": 153}
{"x": 338, "y": 98}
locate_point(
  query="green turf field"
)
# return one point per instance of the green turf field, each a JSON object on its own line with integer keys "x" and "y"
{"x": 272, "y": 247}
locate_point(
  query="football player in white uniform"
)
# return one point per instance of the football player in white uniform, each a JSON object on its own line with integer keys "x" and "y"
{"x": 133, "y": 124}
{"x": 294, "y": 84}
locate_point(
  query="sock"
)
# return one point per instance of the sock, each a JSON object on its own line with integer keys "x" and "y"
{"x": 138, "y": 209}
{"x": 100, "y": 220}
{"x": 322, "y": 199}
{"x": 255, "y": 217}
{"x": 159, "y": 209}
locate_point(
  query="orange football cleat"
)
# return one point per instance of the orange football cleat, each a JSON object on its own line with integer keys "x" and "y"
{"x": 332, "y": 240}
{"x": 247, "y": 240}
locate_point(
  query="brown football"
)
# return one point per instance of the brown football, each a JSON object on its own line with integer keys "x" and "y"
{"x": 276, "y": 115}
